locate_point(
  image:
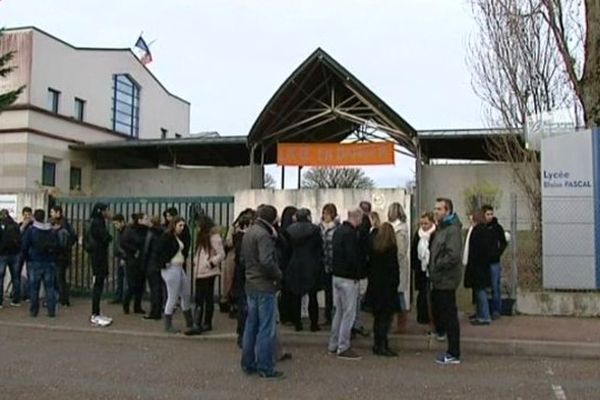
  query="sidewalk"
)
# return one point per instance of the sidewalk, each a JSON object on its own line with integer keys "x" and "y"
{"x": 519, "y": 335}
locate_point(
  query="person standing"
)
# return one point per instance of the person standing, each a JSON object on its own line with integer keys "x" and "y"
{"x": 152, "y": 269}
{"x": 132, "y": 242}
{"x": 384, "y": 277}
{"x": 364, "y": 232}
{"x": 477, "y": 267}
{"x": 120, "y": 225}
{"x": 348, "y": 268}
{"x": 288, "y": 217}
{"x": 171, "y": 259}
{"x": 66, "y": 240}
{"x": 263, "y": 280}
{"x": 96, "y": 242}
{"x": 244, "y": 221}
{"x": 186, "y": 236}
{"x": 209, "y": 255}
{"x": 397, "y": 217}
{"x": 305, "y": 268}
{"x": 329, "y": 224}
{"x": 26, "y": 223}
{"x": 445, "y": 271}
{"x": 10, "y": 249}
{"x": 420, "y": 256}
{"x": 40, "y": 244}
{"x": 496, "y": 246}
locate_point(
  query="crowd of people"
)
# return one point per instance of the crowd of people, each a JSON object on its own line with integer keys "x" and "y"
{"x": 268, "y": 266}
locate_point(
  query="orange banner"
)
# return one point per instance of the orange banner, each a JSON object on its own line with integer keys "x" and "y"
{"x": 334, "y": 154}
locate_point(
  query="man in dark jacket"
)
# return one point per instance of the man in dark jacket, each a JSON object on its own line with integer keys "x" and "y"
{"x": 120, "y": 224}
{"x": 263, "y": 280}
{"x": 495, "y": 247}
{"x": 66, "y": 239}
{"x": 40, "y": 245}
{"x": 100, "y": 238}
{"x": 10, "y": 249}
{"x": 152, "y": 269}
{"x": 26, "y": 223}
{"x": 445, "y": 271}
{"x": 348, "y": 269}
{"x": 305, "y": 268}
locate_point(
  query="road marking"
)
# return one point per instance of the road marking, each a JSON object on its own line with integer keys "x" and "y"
{"x": 559, "y": 393}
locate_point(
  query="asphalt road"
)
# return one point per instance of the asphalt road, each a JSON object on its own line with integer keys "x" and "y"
{"x": 38, "y": 363}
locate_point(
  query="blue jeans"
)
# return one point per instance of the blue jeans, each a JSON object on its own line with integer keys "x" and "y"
{"x": 496, "y": 273}
{"x": 12, "y": 262}
{"x": 483, "y": 306}
{"x": 42, "y": 272}
{"x": 259, "y": 334}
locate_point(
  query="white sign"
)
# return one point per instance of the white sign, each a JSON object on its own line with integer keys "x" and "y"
{"x": 9, "y": 202}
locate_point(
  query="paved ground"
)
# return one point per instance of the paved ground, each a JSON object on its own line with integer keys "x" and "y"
{"x": 49, "y": 364}
{"x": 560, "y": 329}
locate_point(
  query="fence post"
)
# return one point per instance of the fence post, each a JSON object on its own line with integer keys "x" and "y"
{"x": 514, "y": 276}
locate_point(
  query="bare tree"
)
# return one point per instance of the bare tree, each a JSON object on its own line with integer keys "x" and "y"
{"x": 337, "y": 178}
{"x": 269, "y": 182}
{"x": 517, "y": 71}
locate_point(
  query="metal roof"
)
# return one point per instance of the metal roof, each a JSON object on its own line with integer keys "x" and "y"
{"x": 322, "y": 101}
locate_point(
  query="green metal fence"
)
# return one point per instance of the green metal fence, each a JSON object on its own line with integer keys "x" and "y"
{"x": 78, "y": 211}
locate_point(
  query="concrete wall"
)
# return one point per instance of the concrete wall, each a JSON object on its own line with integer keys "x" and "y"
{"x": 170, "y": 182}
{"x": 314, "y": 200}
{"x": 571, "y": 304}
{"x": 452, "y": 180}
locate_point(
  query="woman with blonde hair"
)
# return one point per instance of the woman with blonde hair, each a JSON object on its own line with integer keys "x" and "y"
{"x": 397, "y": 218}
{"x": 384, "y": 277}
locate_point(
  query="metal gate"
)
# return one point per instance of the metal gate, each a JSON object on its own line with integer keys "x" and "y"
{"x": 78, "y": 211}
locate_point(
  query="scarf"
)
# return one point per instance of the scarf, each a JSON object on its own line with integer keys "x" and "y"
{"x": 465, "y": 258}
{"x": 423, "y": 247}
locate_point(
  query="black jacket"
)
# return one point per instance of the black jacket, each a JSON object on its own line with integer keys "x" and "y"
{"x": 477, "y": 270}
{"x": 150, "y": 250}
{"x": 496, "y": 241}
{"x": 260, "y": 258}
{"x": 102, "y": 239}
{"x": 132, "y": 242}
{"x": 186, "y": 239}
{"x": 167, "y": 248}
{"x": 305, "y": 267}
{"x": 10, "y": 237}
{"x": 348, "y": 256}
{"x": 239, "y": 274}
{"x": 384, "y": 278}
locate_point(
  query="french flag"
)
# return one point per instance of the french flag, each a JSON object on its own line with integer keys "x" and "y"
{"x": 146, "y": 56}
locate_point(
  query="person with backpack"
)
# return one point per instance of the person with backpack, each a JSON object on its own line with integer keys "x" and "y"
{"x": 95, "y": 242}
{"x": 40, "y": 246}
{"x": 10, "y": 249}
{"x": 132, "y": 242}
{"x": 66, "y": 239}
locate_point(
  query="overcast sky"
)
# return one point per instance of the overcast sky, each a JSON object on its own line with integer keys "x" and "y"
{"x": 227, "y": 57}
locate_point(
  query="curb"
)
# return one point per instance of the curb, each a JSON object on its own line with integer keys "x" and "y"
{"x": 414, "y": 343}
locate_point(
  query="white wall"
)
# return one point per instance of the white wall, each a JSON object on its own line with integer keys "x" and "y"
{"x": 451, "y": 181}
{"x": 170, "y": 182}
{"x": 315, "y": 199}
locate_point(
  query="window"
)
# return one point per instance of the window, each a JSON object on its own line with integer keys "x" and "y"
{"x": 48, "y": 173}
{"x": 163, "y": 133}
{"x": 53, "y": 99}
{"x": 126, "y": 105}
{"x": 79, "y": 109}
{"x": 75, "y": 181}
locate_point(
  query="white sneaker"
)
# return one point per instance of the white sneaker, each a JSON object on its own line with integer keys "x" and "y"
{"x": 100, "y": 321}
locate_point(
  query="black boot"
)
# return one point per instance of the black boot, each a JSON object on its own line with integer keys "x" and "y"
{"x": 189, "y": 323}
{"x": 387, "y": 352}
{"x": 126, "y": 306}
{"x": 137, "y": 305}
{"x": 169, "y": 324}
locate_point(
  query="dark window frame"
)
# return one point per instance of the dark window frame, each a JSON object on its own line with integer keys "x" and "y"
{"x": 55, "y": 106}
{"x": 80, "y": 112}
{"x": 74, "y": 186}
{"x": 51, "y": 181}
{"x": 126, "y": 105}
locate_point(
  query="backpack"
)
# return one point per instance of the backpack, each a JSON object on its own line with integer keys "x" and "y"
{"x": 45, "y": 243}
{"x": 89, "y": 243}
{"x": 11, "y": 238}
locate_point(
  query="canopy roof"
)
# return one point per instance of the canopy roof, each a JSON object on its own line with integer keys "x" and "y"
{"x": 323, "y": 102}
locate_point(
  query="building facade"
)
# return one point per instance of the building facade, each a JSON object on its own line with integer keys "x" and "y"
{"x": 75, "y": 96}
